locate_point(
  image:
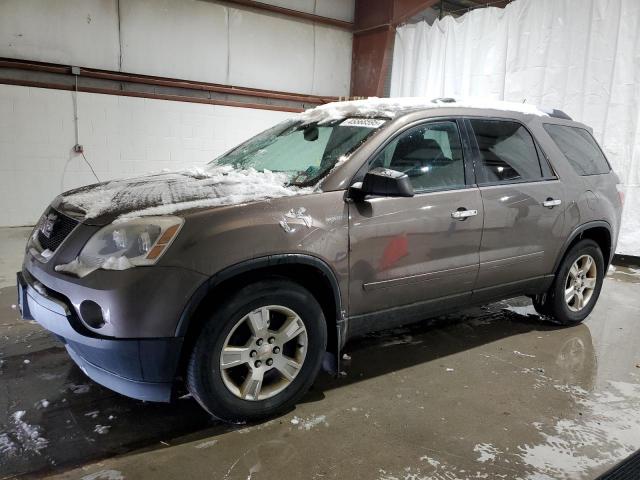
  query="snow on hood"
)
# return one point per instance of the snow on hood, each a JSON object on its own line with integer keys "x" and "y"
{"x": 390, "y": 107}
{"x": 167, "y": 193}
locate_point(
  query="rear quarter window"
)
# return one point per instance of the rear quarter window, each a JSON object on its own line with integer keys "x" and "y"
{"x": 580, "y": 149}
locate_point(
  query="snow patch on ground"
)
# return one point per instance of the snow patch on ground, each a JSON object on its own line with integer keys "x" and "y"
{"x": 102, "y": 429}
{"x": 524, "y": 311}
{"x": 604, "y": 435}
{"x": 309, "y": 423}
{"x": 437, "y": 470}
{"x": 486, "y": 451}
{"x": 520, "y": 354}
{"x": 7, "y": 446}
{"x": 571, "y": 389}
{"x": 434, "y": 463}
{"x": 391, "y": 107}
{"x": 40, "y": 404}
{"x": 22, "y": 438}
{"x": 633, "y": 272}
{"x": 207, "y": 444}
{"x": 104, "y": 475}
{"x": 167, "y": 193}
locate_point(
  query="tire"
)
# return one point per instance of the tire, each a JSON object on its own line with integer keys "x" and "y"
{"x": 554, "y": 306}
{"x": 226, "y": 386}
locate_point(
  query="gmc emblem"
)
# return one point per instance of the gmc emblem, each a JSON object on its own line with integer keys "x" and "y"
{"x": 47, "y": 224}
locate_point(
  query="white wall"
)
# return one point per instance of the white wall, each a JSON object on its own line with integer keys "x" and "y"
{"x": 187, "y": 39}
{"x": 122, "y": 136}
{"x": 72, "y": 32}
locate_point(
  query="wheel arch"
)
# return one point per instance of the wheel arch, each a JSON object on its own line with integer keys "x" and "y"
{"x": 599, "y": 231}
{"x": 311, "y": 272}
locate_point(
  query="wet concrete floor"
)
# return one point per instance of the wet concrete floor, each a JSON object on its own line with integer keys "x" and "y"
{"x": 490, "y": 392}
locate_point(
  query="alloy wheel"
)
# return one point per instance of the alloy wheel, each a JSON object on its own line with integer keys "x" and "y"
{"x": 263, "y": 353}
{"x": 580, "y": 283}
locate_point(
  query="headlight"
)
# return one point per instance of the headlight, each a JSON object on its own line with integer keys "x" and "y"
{"x": 125, "y": 244}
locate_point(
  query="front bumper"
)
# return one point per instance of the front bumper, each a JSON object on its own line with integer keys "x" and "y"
{"x": 142, "y": 368}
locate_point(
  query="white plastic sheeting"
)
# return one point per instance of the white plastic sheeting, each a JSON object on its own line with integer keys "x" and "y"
{"x": 581, "y": 56}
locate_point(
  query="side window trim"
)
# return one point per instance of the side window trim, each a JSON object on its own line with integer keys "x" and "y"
{"x": 476, "y": 154}
{"x": 542, "y": 156}
{"x": 471, "y": 152}
{"x": 459, "y": 121}
{"x": 517, "y": 182}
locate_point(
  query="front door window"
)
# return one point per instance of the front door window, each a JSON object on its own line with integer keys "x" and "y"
{"x": 430, "y": 154}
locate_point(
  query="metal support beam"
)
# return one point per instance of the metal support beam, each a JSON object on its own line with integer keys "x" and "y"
{"x": 62, "y": 77}
{"x": 491, "y": 3}
{"x": 371, "y": 60}
{"x": 373, "y": 38}
{"x": 403, "y": 10}
{"x": 290, "y": 13}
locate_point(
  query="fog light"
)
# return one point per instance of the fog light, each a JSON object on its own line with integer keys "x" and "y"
{"x": 91, "y": 314}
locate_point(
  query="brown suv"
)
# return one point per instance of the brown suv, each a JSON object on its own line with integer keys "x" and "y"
{"x": 240, "y": 278}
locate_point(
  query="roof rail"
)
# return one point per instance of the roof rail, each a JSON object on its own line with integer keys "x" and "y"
{"x": 444, "y": 100}
{"x": 552, "y": 112}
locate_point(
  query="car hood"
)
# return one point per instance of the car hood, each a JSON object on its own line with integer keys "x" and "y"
{"x": 172, "y": 192}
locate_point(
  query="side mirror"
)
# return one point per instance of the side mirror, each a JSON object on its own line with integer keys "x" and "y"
{"x": 382, "y": 182}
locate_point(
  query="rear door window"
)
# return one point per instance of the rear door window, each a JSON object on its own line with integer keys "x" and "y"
{"x": 580, "y": 148}
{"x": 508, "y": 153}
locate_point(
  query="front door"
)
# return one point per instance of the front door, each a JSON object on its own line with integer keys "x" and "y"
{"x": 523, "y": 206}
{"x": 407, "y": 251}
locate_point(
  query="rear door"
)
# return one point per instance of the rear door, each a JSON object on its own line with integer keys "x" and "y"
{"x": 407, "y": 251}
{"x": 523, "y": 202}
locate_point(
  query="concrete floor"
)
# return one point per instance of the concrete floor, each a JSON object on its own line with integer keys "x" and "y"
{"x": 487, "y": 393}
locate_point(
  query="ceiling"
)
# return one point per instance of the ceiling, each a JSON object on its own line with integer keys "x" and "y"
{"x": 455, "y": 8}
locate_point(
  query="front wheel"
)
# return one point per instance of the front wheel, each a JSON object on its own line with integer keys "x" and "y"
{"x": 259, "y": 351}
{"x": 577, "y": 285}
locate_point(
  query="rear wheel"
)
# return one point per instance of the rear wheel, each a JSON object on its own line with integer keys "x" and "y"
{"x": 577, "y": 285}
{"x": 258, "y": 352}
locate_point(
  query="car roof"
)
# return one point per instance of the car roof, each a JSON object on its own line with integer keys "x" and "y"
{"x": 396, "y": 107}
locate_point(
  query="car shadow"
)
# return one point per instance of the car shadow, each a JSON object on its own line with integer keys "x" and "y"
{"x": 433, "y": 340}
{"x": 80, "y": 421}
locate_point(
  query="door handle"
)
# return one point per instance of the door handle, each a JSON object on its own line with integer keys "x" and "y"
{"x": 463, "y": 213}
{"x": 550, "y": 203}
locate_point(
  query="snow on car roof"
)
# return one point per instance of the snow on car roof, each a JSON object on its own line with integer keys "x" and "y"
{"x": 392, "y": 107}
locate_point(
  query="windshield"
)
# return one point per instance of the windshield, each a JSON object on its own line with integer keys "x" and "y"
{"x": 304, "y": 152}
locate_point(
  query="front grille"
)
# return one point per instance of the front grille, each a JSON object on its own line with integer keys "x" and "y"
{"x": 60, "y": 227}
